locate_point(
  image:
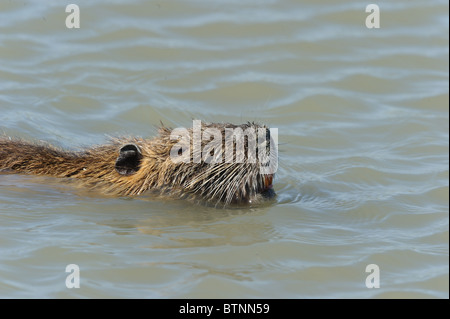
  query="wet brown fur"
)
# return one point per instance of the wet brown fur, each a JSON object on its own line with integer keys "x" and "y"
{"x": 95, "y": 168}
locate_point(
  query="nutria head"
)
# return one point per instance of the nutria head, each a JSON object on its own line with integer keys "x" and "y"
{"x": 215, "y": 163}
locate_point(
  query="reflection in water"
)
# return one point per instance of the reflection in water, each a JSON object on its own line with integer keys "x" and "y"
{"x": 208, "y": 229}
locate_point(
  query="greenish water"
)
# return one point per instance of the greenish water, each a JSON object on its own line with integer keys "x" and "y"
{"x": 362, "y": 117}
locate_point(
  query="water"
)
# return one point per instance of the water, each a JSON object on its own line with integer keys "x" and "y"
{"x": 363, "y": 128}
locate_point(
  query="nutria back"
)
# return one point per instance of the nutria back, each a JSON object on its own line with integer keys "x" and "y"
{"x": 201, "y": 163}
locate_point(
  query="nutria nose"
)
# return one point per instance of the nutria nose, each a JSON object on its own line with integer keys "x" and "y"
{"x": 268, "y": 193}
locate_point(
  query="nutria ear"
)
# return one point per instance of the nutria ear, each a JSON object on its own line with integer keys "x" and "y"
{"x": 129, "y": 160}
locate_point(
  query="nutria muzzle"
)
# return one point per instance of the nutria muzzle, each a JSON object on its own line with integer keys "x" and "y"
{"x": 219, "y": 164}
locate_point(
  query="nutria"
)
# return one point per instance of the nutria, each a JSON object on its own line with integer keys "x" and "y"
{"x": 132, "y": 166}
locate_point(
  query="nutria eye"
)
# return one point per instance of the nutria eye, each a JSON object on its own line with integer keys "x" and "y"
{"x": 129, "y": 160}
